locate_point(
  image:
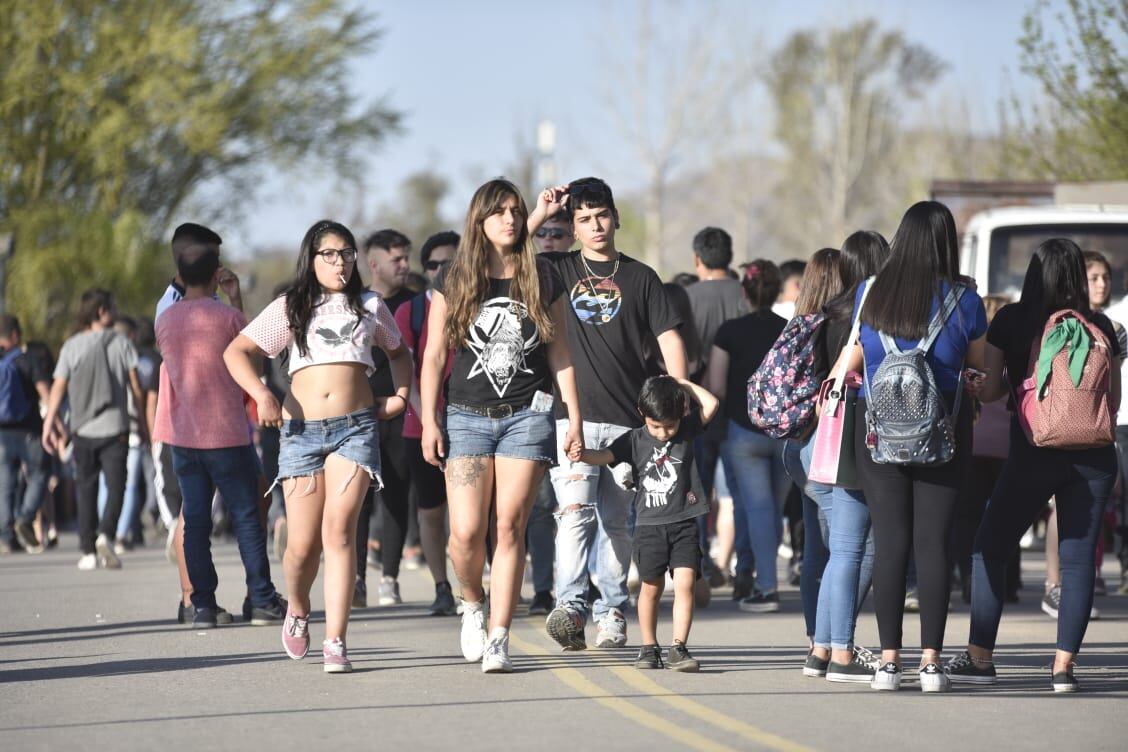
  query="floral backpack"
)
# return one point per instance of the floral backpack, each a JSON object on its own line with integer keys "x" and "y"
{"x": 783, "y": 390}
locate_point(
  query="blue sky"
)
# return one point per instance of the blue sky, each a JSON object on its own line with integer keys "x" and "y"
{"x": 471, "y": 76}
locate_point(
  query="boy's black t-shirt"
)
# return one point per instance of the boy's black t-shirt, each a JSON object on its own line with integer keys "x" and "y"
{"x": 504, "y": 362}
{"x": 1010, "y": 332}
{"x": 611, "y": 320}
{"x": 747, "y": 340}
{"x": 667, "y": 485}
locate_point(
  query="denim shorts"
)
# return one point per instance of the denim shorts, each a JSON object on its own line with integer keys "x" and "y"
{"x": 306, "y": 444}
{"x": 525, "y": 435}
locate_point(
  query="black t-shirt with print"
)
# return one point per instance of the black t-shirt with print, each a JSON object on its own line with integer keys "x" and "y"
{"x": 381, "y": 378}
{"x": 1010, "y": 332}
{"x": 667, "y": 486}
{"x": 747, "y": 340}
{"x": 504, "y": 362}
{"x": 611, "y": 320}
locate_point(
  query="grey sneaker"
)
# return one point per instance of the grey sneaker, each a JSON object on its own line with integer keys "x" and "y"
{"x": 679, "y": 659}
{"x": 389, "y": 594}
{"x": 612, "y": 630}
{"x": 566, "y": 626}
{"x": 25, "y": 533}
{"x": 814, "y": 666}
{"x": 105, "y": 550}
{"x": 649, "y": 657}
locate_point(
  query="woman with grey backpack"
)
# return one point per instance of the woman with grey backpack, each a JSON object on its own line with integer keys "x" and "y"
{"x": 921, "y": 326}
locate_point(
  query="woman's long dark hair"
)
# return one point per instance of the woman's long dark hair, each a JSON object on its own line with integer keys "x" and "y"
{"x": 306, "y": 291}
{"x": 924, "y": 253}
{"x": 1054, "y": 280}
{"x": 863, "y": 255}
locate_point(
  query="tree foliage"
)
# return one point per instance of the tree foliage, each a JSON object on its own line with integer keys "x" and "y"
{"x": 1083, "y": 132}
{"x": 115, "y": 113}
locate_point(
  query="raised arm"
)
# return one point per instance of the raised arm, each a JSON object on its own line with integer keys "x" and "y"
{"x": 549, "y": 202}
{"x": 709, "y": 404}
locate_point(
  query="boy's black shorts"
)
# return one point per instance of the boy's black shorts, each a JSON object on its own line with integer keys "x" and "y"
{"x": 663, "y": 548}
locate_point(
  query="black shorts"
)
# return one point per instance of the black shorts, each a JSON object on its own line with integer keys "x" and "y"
{"x": 663, "y": 548}
{"x": 426, "y": 479}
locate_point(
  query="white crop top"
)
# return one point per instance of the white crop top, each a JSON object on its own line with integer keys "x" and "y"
{"x": 333, "y": 336}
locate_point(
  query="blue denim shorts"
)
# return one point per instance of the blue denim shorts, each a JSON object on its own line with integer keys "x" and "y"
{"x": 306, "y": 444}
{"x": 525, "y": 435}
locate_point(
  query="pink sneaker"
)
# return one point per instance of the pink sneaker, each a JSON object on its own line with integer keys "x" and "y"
{"x": 336, "y": 657}
{"x": 295, "y": 635}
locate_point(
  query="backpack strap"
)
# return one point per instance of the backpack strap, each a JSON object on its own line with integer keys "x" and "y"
{"x": 838, "y": 386}
{"x": 935, "y": 325}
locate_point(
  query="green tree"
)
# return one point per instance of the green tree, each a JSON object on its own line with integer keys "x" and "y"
{"x": 1083, "y": 132}
{"x": 115, "y": 113}
{"x": 840, "y": 97}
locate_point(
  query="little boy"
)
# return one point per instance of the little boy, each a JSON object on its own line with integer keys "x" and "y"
{"x": 668, "y": 500}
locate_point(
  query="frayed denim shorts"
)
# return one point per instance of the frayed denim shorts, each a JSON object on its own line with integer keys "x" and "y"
{"x": 525, "y": 435}
{"x": 306, "y": 444}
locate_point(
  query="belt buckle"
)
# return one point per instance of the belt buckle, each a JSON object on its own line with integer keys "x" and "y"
{"x": 500, "y": 412}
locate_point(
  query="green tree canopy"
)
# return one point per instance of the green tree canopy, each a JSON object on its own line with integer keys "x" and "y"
{"x": 114, "y": 113}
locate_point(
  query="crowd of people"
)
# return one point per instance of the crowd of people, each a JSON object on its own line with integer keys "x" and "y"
{"x": 521, "y": 402}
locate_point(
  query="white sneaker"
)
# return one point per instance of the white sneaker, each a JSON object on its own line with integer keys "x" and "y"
{"x": 88, "y": 562}
{"x": 473, "y": 631}
{"x": 887, "y": 678}
{"x": 612, "y": 630}
{"x": 495, "y": 659}
{"x": 105, "y": 550}
{"x": 389, "y": 593}
{"x": 932, "y": 679}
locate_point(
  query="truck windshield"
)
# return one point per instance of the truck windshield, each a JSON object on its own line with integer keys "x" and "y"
{"x": 1012, "y": 248}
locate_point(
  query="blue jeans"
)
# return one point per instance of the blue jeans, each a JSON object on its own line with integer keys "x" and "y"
{"x": 849, "y": 568}
{"x": 1081, "y": 482}
{"x": 587, "y": 502}
{"x": 540, "y": 535}
{"x": 234, "y": 471}
{"x": 815, "y": 531}
{"x": 19, "y": 447}
{"x": 754, "y": 470}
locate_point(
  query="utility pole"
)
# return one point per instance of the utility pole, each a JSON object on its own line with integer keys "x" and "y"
{"x": 546, "y": 151}
{"x": 7, "y": 248}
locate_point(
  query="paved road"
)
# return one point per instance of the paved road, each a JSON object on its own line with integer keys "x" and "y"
{"x": 95, "y": 659}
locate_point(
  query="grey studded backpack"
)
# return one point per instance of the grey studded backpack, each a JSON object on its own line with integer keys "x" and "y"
{"x": 907, "y": 422}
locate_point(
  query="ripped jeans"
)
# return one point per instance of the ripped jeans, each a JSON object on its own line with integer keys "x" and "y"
{"x": 306, "y": 444}
{"x": 588, "y": 502}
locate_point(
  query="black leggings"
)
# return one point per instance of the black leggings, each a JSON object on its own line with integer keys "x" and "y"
{"x": 92, "y": 456}
{"x": 912, "y": 510}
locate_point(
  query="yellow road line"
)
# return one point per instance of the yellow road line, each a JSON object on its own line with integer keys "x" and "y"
{"x": 646, "y": 719}
{"x": 635, "y": 679}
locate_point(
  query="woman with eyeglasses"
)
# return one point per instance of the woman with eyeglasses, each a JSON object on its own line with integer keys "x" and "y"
{"x": 330, "y": 452}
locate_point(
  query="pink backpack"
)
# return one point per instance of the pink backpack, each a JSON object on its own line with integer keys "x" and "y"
{"x": 1065, "y": 416}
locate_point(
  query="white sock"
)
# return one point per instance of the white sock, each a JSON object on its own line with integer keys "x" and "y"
{"x": 499, "y": 633}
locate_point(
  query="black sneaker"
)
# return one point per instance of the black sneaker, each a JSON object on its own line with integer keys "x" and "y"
{"x": 205, "y": 618}
{"x": 444, "y": 604}
{"x": 542, "y": 603}
{"x": 742, "y": 586}
{"x": 856, "y": 671}
{"x": 815, "y": 666}
{"x": 679, "y": 659}
{"x": 1051, "y": 601}
{"x": 761, "y": 603}
{"x": 360, "y": 594}
{"x": 566, "y": 626}
{"x": 963, "y": 669}
{"x": 649, "y": 656}
{"x": 186, "y": 614}
{"x": 270, "y": 614}
{"x": 1064, "y": 681}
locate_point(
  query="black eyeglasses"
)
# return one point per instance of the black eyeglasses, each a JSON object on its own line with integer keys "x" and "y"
{"x": 554, "y": 233}
{"x": 333, "y": 255}
{"x": 431, "y": 266}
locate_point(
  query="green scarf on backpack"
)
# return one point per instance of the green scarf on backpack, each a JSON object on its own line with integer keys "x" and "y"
{"x": 1069, "y": 333}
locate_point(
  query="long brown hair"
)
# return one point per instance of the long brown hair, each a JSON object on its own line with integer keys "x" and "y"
{"x": 467, "y": 280}
{"x": 822, "y": 280}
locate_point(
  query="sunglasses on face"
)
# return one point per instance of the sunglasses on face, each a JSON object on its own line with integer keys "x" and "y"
{"x": 333, "y": 255}
{"x": 432, "y": 266}
{"x": 554, "y": 233}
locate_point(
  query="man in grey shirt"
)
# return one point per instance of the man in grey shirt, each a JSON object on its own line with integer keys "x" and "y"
{"x": 97, "y": 368}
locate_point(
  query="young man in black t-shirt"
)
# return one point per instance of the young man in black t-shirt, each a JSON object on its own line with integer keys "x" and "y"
{"x": 617, "y": 302}
{"x": 669, "y": 499}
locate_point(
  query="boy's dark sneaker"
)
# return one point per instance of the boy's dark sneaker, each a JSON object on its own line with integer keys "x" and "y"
{"x": 742, "y": 586}
{"x": 761, "y": 603}
{"x": 542, "y": 603}
{"x": 856, "y": 671}
{"x": 205, "y": 618}
{"x": 187, "y": 614}
{"x": 679, "y": 659}
{"x": 360, "y": 594}
{"x": 1064, "y": 681}
{"x": 566, "y": 626}
{"x": 444, "y": 604}
{"x": 815, "y": 666}
{"x": 649, "y": 656}
{"x": 963, "y": 669}
{"x": 269, "y": 615}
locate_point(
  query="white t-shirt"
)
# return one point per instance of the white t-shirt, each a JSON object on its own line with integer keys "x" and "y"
{"x": 1119, "y": 315}
{"x": 785, "y": 310}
